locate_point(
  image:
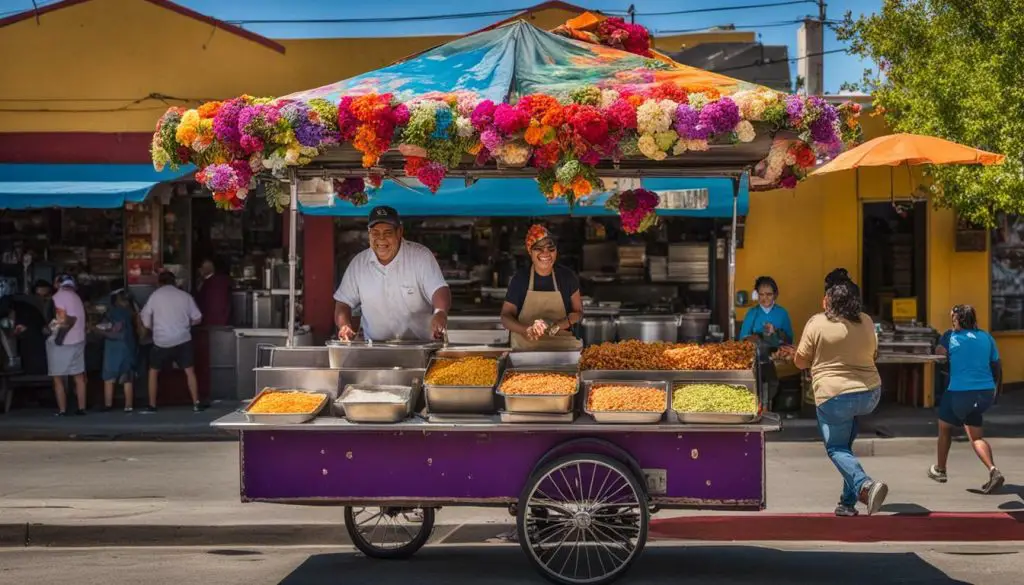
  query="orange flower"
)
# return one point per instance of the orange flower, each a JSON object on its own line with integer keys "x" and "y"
{"x": 209, "y": 109}
{"x": 635, "y": 100}
{"x": 581, "y": 187}
{"x": 475, "y": 149}
{"x": 366, "y": 142}
{"x": 558, "y": 190}
{"x": 537, "y": 135}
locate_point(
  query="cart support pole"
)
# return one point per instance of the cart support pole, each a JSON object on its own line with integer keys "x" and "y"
{"x": 732, "y": 256}
{"x": 293, "y": 214}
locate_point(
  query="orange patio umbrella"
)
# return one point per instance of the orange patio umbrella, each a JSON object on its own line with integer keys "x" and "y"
{"x": 908, "y": 149}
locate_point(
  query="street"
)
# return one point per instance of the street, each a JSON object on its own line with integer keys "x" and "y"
{"x": 444, "y": 565}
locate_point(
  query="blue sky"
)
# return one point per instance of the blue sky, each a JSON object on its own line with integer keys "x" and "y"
{"x": 838, "y": 67}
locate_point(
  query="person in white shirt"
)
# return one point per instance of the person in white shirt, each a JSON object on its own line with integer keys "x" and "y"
{"x": 170, "y": 313}
{"x": 397, "y": 284}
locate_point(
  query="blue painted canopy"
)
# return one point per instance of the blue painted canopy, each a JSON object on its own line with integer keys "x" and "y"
{"x": 522, "y": 198}
{"x": 97, "y": 186}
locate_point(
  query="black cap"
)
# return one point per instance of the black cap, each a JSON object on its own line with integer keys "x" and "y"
{"x": 384, "y": 214}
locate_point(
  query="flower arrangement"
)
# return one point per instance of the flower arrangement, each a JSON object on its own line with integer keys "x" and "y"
{"x": 234, "y": 141}
{"x": 636, "y": 209}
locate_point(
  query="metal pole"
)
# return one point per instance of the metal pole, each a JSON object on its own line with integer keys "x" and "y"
{"x": 293, "y": 215}
{"x": 732, "y": 256}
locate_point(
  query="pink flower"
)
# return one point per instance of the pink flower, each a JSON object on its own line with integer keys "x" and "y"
{"x": 400, "y": 115}
{"x": 622, "y": 114}
{"x": 491, "y": 139}
{"x": 431, "y": 175}
{"x": 510, "y": 119}
{"x": 483, "y": 115}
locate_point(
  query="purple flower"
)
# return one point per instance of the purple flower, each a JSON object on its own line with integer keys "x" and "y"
{"x": 225, "y": 123}
{"x": 307, "y": 133}
{"x": 220, "y": 178}
{"x": 794, "y": 109}
{"x": 823, "y": 128}
{"x": 720, "y": 116}
{"x": 688, "y": 124}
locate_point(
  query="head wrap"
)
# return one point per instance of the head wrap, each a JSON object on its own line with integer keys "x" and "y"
{"x": 536, "y": 233}
{"x": 66, "y": 281}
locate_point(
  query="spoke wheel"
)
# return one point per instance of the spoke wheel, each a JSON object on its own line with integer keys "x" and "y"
{"x": 389, "y": 532}
{"x": 583, "y": 520}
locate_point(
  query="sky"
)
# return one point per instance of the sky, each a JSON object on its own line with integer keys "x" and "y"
{"x": 773, "y": 24}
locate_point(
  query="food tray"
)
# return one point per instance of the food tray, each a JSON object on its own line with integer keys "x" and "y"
{"x": 463, "y": 399}
{"x": 376, "y": 412}
{"x": 544, "y": 359}
{"x": 537, "y": 417}
{"x": 367, "y": 355}
{"x": 538, "y": 403}
{"x": 713, "y": 418}
{"x": 622, "y": 416}
{"x": 283, "y": 419}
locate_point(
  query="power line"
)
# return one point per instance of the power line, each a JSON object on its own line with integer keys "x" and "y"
{"x": 770, "y": 61}
{"x": 727, "y": 8}
{"x": 382, "y": 19}
{"x": 728, "y": 27}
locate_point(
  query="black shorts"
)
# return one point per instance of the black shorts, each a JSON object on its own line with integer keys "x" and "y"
{"x": 181, "y": 354}
{"x": 965, "y": 407}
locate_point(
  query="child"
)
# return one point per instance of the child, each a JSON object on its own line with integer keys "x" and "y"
{"x": 119, "y": 350}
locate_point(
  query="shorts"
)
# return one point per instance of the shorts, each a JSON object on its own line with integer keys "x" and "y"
{"x": 965, "y": 407}
{"x": 65, "y": 360}
{"x": 181, "y": 354}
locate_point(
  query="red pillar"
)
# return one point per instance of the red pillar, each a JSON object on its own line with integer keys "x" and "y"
{"x": 318, "y": 275}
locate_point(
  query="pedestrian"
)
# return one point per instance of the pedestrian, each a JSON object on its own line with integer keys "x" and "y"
{"x": 119, "y": 350}
{"x": 65, "y": 344}
{"x": 170, "y": 313}
{"x": 975, "y": 376}
{"x": 839, "y": 346}
{"x": 213, "y": 295}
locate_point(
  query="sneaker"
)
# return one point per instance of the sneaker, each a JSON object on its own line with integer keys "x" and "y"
{"x": 995, "y": 481}
{"x": 60, "y": 413}
{"x": 149, "y": 410}
{"x": 844, "y": 511}
{"x": 198, "y": 407}
{"x": 128, "y": 409}
{"x": 937, "y": 474}
{"x": 80, "y": 412}
{"x": 873, "y": 496}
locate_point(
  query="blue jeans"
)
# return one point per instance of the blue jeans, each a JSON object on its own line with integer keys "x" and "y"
{"x": 837, "y": 421}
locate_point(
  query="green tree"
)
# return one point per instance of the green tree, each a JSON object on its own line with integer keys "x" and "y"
{"x": 953, "y": 69}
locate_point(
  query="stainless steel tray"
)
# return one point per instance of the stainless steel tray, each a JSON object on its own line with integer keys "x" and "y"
{"x": 284, "y": 419}
{"x": 365, "y": 355}
{"x": 542, "y": 359}
{"x": 537, "y": 417}
{"x": 478, "y": 336}
{"x": 467, "y": 419}
{"x": 712, "y": 418}
{"x": 376, "y": 412}
{"x": 539, "y": 403}
{"x": 463, "y": 399}
{"x": 625, "y": 417}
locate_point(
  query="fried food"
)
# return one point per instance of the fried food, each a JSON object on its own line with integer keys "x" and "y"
{"x": 716, "y": 398}
{"x": 625, "y": 398}
{"x": 466, "y": 371}
{"x": 639, "y": 355}
{"x": 285, "y": 402}
{"x": 538, "y": 384}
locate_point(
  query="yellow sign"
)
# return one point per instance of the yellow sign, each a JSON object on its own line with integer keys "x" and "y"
{"x": 904, "y": 309}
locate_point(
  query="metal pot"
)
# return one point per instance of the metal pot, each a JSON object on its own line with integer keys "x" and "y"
{"x": 597, "y": 330}
{"x": 648, "y": 327}
{"x": 693, "y": 326}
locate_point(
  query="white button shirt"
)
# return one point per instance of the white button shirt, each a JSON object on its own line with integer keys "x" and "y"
{"x": 395, "y": 300}
{"x": 169, "y": 313}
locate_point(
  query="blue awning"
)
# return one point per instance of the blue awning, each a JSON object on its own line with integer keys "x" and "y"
{"x": 99, "y": 186}
{"x": 522, "y": 198}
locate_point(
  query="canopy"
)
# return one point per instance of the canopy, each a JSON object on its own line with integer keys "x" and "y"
{"x": 97, "y": 186}
{"x": 521, "y": 198}
{"x": 910, "y": 149}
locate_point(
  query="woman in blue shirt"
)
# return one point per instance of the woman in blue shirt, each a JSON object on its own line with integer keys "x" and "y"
{"x": 769, "y": 326}
{"x": 974, "y": 377}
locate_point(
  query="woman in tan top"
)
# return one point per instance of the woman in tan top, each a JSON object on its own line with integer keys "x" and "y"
{"x": 839, "y": 346}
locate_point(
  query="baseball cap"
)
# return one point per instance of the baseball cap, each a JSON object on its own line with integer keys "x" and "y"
{"x": 66, "y": 280}
{"x": 384, "y": 214}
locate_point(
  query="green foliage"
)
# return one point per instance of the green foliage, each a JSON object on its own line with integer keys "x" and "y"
{"x": 953, "y": 69}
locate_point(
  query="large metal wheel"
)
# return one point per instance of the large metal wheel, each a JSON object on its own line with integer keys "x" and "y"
{"x": 389, "y": 532}
{"x": 583, "y": 519}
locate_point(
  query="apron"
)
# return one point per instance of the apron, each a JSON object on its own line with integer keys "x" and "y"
{"x": 547, "y": 305}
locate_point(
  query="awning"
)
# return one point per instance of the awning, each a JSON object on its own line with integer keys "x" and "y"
{"x": 522, "y": 198}
{"x": 32, "y": 186}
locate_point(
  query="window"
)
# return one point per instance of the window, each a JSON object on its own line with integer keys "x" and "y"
{"x": 1008, "y": 274}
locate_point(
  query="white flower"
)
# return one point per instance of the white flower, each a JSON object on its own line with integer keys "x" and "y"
{"x": 679, "y": 148}
{"x": 651, "y": 117}
{"x": 745, "y": 131}
{"x": 697, "y": 145}
{"x": 608, "y": 97}
{"x": 463, "y": 127}
{"x": 698, "y": 100}
{"x": 242, "y": 194}
{"x": 649, "y": 148}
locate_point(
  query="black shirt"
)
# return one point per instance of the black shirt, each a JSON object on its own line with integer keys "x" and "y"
{"x": 568, "y": 285}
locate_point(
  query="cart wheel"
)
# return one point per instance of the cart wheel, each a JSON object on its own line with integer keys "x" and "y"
{"x": 389, "y": 532}
{"x": 582, "y": 519}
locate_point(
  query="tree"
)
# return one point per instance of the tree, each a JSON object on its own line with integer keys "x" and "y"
{"x": 953, "y": 69}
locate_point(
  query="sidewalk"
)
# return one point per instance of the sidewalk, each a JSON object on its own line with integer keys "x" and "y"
{"x": 1005, "y": 420}
{"x": 131, "y": 494}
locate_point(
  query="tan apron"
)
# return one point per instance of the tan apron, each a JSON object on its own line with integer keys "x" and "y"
{"x": 546, "y": 305}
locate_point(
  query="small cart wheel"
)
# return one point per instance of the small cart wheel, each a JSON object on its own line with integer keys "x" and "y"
{"x": 389, "y": 532}
{"x": 583, "y": 519}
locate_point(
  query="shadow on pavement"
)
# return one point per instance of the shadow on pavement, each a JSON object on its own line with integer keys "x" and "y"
{"x": 677, "y": 565}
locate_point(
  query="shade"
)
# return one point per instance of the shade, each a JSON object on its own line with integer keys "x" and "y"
{"x": 522, "y": 198}
{"x": 909, "y": 149}
{"x": 34, "y": 186}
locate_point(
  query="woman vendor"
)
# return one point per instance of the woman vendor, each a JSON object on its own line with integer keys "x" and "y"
{"x": 543, "y": 304}
{"x": 769, "y": 326}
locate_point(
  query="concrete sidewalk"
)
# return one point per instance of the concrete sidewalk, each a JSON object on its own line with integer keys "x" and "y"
{"x": 131, "y": 493}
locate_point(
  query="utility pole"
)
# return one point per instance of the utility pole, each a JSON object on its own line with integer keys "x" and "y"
{"x": 631, "y": 11}
{"x": 810, "y": 44}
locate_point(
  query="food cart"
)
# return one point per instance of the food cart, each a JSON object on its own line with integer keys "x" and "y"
{"x": 582, "y": 491}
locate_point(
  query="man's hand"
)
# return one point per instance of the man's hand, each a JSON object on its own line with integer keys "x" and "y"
{"x": 769, "y": 329}
{"x": 537, "y": 330}
{"x": 438, "y": 323}
{"x": 345, "y": 333}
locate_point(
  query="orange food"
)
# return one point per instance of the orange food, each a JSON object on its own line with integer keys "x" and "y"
{"x": 639, "y": 355}
{"x": 539, "y": 383}
{"x": 467, "y": 371}
{"x": 624, "y": 398}
{"x": 286, "y": 402}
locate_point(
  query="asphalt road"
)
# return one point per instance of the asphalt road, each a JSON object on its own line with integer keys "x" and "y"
{"x": 806, "y": 564}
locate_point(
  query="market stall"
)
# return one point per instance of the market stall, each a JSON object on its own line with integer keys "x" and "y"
{"x": 582, "y": 448}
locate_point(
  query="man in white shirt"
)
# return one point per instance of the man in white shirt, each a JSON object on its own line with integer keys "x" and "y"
{"x": 397, "y": 284}
{"x": 170, "y": 313}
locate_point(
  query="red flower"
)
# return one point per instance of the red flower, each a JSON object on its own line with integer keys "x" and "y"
{"x": 805, "y": 157}
{"x": 670, "y": 91}
{"x": 413, "y": 164}
{"x": 589, "y": 124}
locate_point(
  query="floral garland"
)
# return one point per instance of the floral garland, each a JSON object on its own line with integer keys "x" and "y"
{"x": 636, "y": 208}
{"x": 234, "y": 141}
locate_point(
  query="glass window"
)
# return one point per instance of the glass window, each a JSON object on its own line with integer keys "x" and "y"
{"x": 1008, "y": 274}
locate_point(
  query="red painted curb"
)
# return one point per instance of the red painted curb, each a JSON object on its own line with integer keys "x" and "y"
{"x": 930, "y": 527}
